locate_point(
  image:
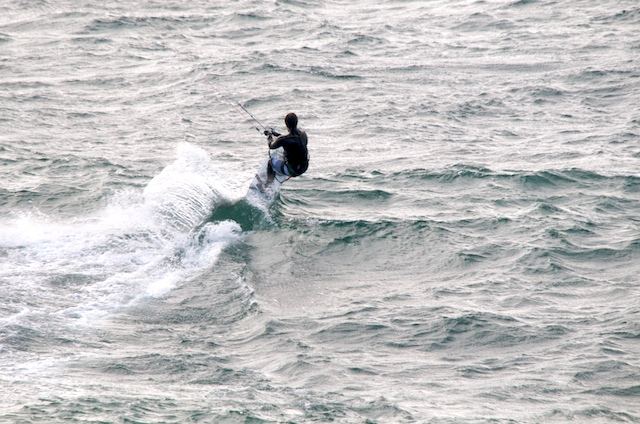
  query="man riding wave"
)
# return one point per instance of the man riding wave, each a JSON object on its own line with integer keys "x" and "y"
{"x": 296, "y": 155}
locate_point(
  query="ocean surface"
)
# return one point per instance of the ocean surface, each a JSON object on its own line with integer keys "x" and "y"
{"x": 464, "y": 248}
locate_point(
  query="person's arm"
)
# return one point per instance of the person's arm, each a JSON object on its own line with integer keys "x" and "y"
{"x": 274, "y": 144}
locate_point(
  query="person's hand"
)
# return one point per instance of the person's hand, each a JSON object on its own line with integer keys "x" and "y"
{"x": 269, "y": 139}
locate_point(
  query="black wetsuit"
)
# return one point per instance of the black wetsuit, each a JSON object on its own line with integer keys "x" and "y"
{"x": 295, "y": 151}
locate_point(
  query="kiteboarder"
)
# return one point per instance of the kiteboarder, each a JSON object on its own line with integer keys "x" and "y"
{"x": 296, "y": 155}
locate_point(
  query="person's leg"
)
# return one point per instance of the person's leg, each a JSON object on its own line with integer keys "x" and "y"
{"x": 276, "y": 167}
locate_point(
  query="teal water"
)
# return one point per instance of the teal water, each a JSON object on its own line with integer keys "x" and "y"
{"x": 465, "y": 247}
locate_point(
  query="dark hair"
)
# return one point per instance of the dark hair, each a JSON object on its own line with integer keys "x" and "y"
{"x": 291, "y": 120}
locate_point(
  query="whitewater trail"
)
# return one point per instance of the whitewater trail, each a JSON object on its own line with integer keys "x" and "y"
{"x": 141, "y": 244}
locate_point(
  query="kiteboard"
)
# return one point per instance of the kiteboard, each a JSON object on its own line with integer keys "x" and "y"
{"x": 262, "y": 192}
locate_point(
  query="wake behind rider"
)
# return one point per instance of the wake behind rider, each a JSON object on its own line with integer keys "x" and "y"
{"x": 295, "y": 151}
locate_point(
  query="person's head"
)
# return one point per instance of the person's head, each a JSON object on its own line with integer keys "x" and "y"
{"x": 291, "y": 121}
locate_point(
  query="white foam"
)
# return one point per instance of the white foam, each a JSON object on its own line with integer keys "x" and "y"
{"x": 14, "y": 318}
{"x": 163, "y": 285}
{"x": 143, "y": 243}
{"x": 200, "y": 253}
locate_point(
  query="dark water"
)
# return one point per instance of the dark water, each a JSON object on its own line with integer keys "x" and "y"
{"x": 465, "y": 246}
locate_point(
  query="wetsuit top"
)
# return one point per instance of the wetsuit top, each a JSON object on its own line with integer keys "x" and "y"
{"x": 295, "y": 150}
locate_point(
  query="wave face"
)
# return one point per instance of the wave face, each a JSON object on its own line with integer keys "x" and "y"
{"x": 464, "y": 248}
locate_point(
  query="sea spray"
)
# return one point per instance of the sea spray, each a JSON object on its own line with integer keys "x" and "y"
{"x": 140, "y": 244}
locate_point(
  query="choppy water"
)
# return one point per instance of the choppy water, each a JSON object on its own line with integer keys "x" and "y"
{"x": 465, "y": 246}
